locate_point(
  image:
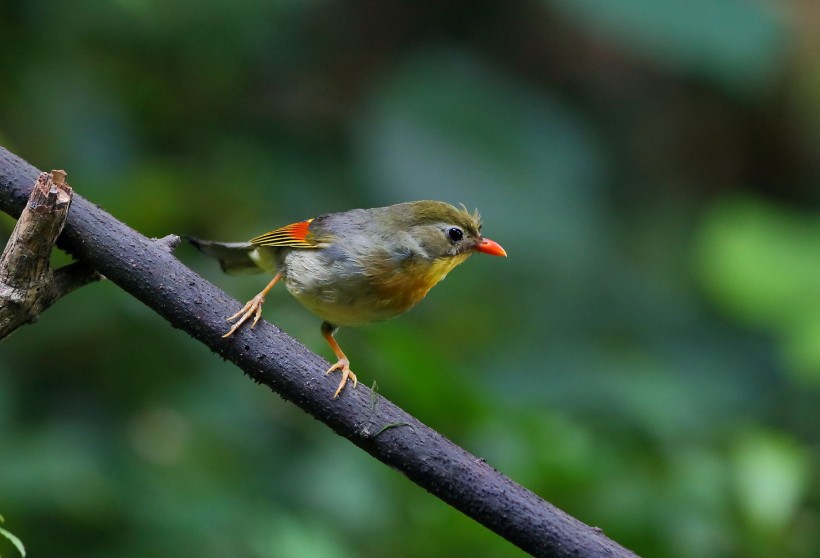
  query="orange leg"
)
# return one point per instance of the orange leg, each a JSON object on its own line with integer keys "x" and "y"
{"x": 252, "y": 308}
{"x": 342, "y": 364}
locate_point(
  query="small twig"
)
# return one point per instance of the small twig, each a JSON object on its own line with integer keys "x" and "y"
{"x": 169, "y": 242}
{"x": 27, "y": 284}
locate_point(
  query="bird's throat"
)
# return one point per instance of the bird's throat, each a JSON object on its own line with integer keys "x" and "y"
{"x": 402, "y": 288}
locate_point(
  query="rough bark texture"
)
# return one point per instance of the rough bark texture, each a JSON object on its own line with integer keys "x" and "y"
{"x": 27, "y": 284}
{"x": 149, "y": 271}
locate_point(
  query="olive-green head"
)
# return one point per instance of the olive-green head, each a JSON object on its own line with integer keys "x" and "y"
{"x": 441, "y": 229}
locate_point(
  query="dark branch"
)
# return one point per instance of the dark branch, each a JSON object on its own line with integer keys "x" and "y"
{"x": 147, "y": 270}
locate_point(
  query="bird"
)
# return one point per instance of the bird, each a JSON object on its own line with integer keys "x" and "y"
{"x": 356, "y": 267}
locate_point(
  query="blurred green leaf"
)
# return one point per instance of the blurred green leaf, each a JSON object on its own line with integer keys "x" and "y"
{"x": 18, "y": 544}
{"x": 284, "y": 538}
{"x": 760, "y": 264}
{"x": 771, "y": 476}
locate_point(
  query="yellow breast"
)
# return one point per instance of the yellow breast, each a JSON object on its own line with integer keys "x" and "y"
{"x": 399, "y": 289}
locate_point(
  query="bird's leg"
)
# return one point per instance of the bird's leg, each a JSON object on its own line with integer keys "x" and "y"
{"x": 342, "y": 364}
{"x": 252, "y": 308}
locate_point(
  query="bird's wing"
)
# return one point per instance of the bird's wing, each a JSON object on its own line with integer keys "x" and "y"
{"x": 296, "y": 235}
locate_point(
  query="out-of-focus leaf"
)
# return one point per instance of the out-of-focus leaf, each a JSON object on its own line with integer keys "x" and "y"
{"x": 771, "y": 472}
{"x": 18, "y": 544}
{"x": 760, "y": 264}
{"x": 282, "y": 537}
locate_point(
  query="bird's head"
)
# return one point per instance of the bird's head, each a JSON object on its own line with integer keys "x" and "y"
{"x": 444, "y": 231}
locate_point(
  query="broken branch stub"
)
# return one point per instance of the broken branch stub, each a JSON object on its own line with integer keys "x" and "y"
{"x": 27, "y": 283}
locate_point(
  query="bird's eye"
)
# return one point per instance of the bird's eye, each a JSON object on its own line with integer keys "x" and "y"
{"x": 455, "y": 234}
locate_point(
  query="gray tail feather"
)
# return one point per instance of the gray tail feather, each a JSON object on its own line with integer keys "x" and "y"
{"x": 234, "y": 257}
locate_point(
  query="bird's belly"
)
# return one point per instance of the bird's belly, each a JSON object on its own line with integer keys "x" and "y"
{"x": 352, "y": 303}
{"x": 347, "y": 314}
{"x": 343, "y": 294}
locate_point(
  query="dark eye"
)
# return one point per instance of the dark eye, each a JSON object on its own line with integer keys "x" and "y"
{"x": 455, "y": 234}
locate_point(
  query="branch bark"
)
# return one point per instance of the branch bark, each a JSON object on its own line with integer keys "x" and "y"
{"x": 147, "y": 270}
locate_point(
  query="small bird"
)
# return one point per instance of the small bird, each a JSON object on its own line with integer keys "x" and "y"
{"x": 356, "y": 267}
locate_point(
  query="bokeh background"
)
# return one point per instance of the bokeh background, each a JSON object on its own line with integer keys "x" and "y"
{"x": 647, "y": 358}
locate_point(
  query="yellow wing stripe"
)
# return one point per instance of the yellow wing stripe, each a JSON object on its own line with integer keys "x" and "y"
{"x": 294, "y": 235}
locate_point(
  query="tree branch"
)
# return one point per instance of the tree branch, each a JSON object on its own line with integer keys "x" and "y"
{"x": 27, "y": 284}
{"x": 147, "y": 270}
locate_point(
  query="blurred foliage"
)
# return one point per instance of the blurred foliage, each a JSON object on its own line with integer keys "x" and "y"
{"x": 744, "y": 263}
{"x": 647, "y": 358}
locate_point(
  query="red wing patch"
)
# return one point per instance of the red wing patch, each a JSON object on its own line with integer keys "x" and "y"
{"x": 294, "y": 235}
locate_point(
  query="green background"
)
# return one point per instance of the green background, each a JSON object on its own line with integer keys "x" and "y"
{"x": 647, "y": 358}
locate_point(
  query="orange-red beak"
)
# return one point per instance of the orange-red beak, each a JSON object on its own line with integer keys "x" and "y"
{"x": 490, "y": 247}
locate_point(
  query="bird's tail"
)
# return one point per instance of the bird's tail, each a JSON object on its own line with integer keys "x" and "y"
{"x": 234, "y": 257}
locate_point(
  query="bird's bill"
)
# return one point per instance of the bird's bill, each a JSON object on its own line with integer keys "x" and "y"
{"x": 490, "y": 247}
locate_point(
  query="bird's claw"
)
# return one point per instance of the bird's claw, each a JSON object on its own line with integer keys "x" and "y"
{"x": 252, "y": 308}
{"x": 344, "y": 365}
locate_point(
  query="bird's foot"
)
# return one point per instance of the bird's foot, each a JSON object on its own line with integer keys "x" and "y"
{"x": 344, "y": 365}
{"x": 252, "y": 308}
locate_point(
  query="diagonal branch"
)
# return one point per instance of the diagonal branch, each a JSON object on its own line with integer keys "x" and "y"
{"x": 148, "y": 270}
